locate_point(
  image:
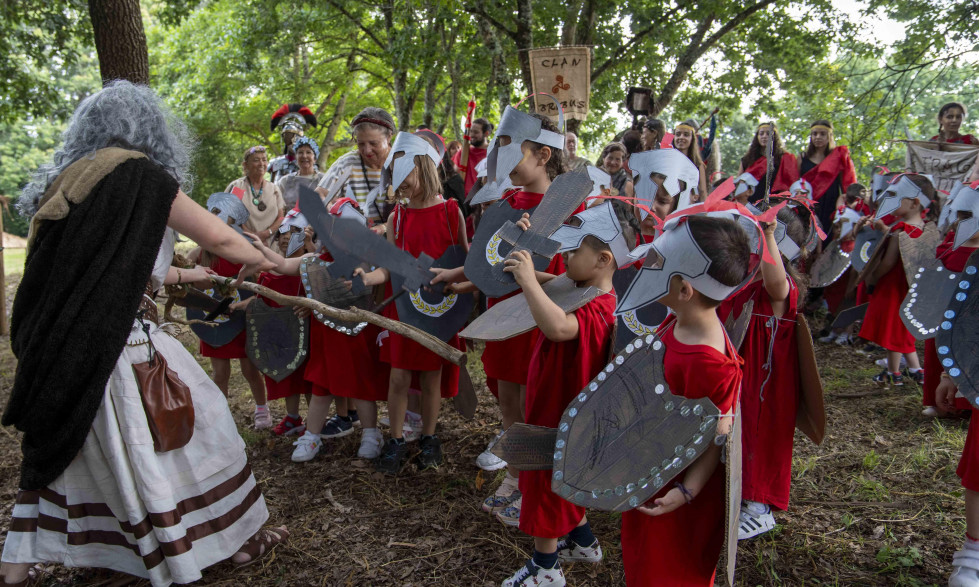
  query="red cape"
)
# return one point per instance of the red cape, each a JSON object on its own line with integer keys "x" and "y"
{"x": 836, "y": 164}
{"x": 476, "y": 154}
{"x": 788, "y": 172}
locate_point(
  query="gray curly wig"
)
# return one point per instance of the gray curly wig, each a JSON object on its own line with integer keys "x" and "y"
{"x": 124, "y": 115}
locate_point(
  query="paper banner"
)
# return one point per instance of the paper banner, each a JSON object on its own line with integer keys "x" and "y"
{"x": 948, "y": 163}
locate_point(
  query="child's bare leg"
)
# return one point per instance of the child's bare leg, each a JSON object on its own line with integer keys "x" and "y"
{"x": 319, "y": 409}
{"x": 221, "y": 373}
{"x": 893, "y": 361}
{"x": 545, "y": 545}
{"x": 972, "y": 513}
{"x": 431, "y": 400}
{"x": 367, "y": 412}
{"x": 398, "y": 384}
{"x": 14, "y": 573}
{"x": 912, "y": 359}
{"x": 255, "y": 380}
{"x": 343, "y": 407}
{"x": 292, "y": 405}
{"x": 511, "y": 408}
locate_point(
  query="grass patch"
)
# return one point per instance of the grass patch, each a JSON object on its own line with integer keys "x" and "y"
{"x": 13, "y": 261}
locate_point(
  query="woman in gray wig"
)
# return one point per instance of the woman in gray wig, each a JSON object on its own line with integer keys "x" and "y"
{"x": 108, "y": 478}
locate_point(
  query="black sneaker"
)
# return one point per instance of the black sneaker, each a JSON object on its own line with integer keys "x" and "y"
{"x": 886, "y": 378}
{"x": 392, "y": 458}
{"x": 918, "y": 376}
{"x": 337, "y": 427}
{"x": 430, "y": 456}
{"x": 354, "y": 418}
{"x": 870, "y": 349}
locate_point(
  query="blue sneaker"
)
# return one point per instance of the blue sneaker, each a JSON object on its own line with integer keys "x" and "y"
{"x": 337, "y": 427}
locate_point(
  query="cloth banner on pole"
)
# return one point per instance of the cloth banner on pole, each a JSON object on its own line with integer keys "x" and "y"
{"x": 565, "y": 73}
{"x": 948, "y": 163}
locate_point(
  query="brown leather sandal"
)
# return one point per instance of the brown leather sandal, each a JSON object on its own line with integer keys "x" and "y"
{"x": 261, "y": 544}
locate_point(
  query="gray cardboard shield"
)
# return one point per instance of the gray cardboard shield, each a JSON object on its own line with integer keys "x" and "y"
{"x": 866, "y": 244}
{"x": 322, "y": 287}
{"x": 625, "y": 436}
{"x": 930, "y": 292}
{"x": 635, "y": 323}
{"x": 849, "y": 316}
{"x": 276, "y": 340}
{"x": 916, "y": 252}
{"x": 488, "y": 249}
{"x": 431, "y": 310}
{"x": 830, "y": 266}
{"x": 512, "y": 316}
{"x": 225, "y": 328}
{"x": 957, "y": 341}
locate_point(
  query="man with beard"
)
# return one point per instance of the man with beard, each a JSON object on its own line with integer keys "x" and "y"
{"x": 574, "y": 162}
{"x": 478, "y": 134}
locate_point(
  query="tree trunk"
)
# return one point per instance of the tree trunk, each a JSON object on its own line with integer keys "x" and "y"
{"x": 569, "y": 31}
{"x": 499, "y": 82}
{"x": 430, "y": 87}
{"x": 120, "y": 40}
{"x": 525, "y": 42}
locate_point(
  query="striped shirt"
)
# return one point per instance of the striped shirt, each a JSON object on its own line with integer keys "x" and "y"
{"x": 349, "y": 170}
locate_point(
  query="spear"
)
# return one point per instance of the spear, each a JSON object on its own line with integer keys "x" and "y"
{"x": 769, "y": 154}
{"x": 451, "y": 354}
{"x": 464, "y": 157}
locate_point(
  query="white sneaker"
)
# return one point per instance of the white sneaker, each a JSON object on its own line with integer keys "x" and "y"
{"x": 370, "y": 444}
{"x": 307, "y": 447}
{"x": 929, "y": 412}
{"x": 828, "y": 338}
{"x": 754, "y": 524}
{"x": 965, "y": 569}
{"x": 531, "y": 575}
{"x": 843, "y": 339}
{"x": 263, "y": 419}
{"x": 488, "y": 461}
{"x": 568, "y": 551}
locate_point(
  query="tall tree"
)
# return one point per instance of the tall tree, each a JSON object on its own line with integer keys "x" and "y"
{"x": 120, "y": 40}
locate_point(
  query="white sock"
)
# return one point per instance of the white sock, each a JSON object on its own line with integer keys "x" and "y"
{"x": 371, "y": 432}
{"x": 261, "y": 408}
{"x": 910, "y": 370}
{"x": 970, "y": 544}
{"x": 413, "y": 416}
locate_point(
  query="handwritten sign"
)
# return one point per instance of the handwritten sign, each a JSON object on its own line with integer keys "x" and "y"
{"x": 948, "y": 163}
{"x": 565, "y": 73}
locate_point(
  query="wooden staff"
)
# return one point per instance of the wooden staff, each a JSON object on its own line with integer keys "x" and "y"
{"x": 706, "y": 120}
{"x": 4, "y": 327}
{"x": 464, "y": 157}
{"x": 451, "y": 354}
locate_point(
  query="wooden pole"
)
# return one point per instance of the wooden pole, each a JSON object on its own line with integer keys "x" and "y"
{"x": 4, "y": 327}
{"x": 451, "y": 354}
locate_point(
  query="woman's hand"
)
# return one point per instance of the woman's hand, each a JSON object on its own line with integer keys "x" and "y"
{"x": 302, "y": 312}
{"x": 521, "y": 264}
{"x": 253, "y": 268}
{"x": 672, "y": 500}
{"x": 199, "y": 277}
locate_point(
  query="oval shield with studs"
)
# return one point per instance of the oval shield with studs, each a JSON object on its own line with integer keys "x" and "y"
{"x": 320, "y": 286}
{"x": 830, "y": 266}
{"x": 916, "y": 252}
{"x": 637, "y": 323}
{"x": 224, "y": 328}
{"x": 957, "y": 341}
{"x": 276, "y": 340}
{"x": 626, "y": 435}
{"x": 929, "y": 294}
{"x": 440, "y": 314}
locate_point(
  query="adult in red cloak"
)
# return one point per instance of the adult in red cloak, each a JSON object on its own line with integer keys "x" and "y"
{"x": 828, "y": 168}
{"x": 756, "y": 163}
{"x": 478, "y": 134}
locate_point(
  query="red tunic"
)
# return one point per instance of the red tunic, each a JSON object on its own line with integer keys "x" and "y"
{"x": 953, "y": 261}
{"x": 769, "y": 394}
{"x": 788, "y": 172}
{"x": 343, "y": 365}
{"x": 681, "y": 548}
{"x": 294, "y": 384}
{"x": 963, "y": 140}
{"x": 476, "y": 154}
{"x": 431, "y": 231}
{"x": 882, "y": 324}
{"x": 236, "y": 348}
{"x": 508, "y": 360}
{"x": 558, "y": 372}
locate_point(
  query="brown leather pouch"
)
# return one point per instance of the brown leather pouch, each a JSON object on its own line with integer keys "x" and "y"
{"x": 167, "y": 403}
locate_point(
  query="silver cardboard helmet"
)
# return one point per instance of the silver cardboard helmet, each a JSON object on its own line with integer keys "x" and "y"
{"x": 673, "y": 252}
{"x": 501, "y": 159}
{"x": 847, "y": 218}
{"x": 347, "y": 208}
{"x": 902, "y": 189}
{"x": 600, "y": 222}
{"x": 294, "y": 219}
{"x": 229, "y": 209}
{"x": 411, "y": 144}
{"x": 801, "y": 186}
{"x": 600, "y": 181}
{"x": 966, "y": 200}
{"x": 744, "y": 183}
{"x": 670, "y": 163}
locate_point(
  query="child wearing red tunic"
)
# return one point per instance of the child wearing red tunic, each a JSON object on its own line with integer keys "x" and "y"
{"x": 953, "y": 260}
{"x": 770, "y": 388}
{"x": 675, "y": 538}
{"x": 428, "y": 224}
{"x": 571, "y": 349}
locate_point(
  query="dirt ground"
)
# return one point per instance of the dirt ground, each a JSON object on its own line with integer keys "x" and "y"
{"x": 877, "y": 504}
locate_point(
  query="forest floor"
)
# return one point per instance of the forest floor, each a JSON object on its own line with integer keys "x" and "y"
{"x": 877, "y": 504}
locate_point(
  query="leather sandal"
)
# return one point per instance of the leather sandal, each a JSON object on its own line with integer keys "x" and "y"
{"x": 261, "y": 543}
